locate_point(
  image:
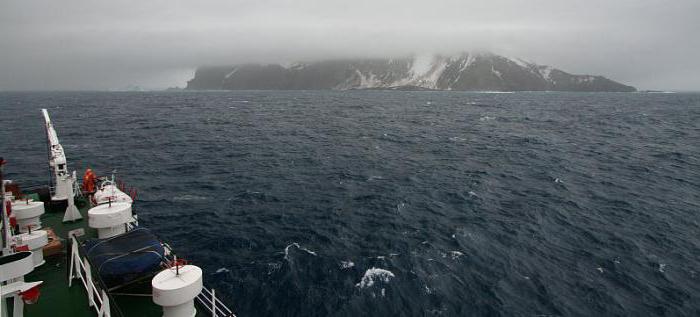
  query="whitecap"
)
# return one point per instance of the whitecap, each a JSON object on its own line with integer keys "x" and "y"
{"x": 374, "y": 275}
{"x": 222, "y": 270}
{"x": 455, "y": 254}
{"x": 189, "y": 197}
{"x": 346, "y": 264}
{"x": 400, "y": 207}
{"x": 486, "y": 118}
{"x": 286, "y": 250}
{"x": 457, "y": 139}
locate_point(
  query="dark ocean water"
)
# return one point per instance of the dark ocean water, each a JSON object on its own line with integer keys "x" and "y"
{"x": 466, "y": 204}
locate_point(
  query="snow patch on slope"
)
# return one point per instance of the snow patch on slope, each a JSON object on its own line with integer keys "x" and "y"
{"x": 293, "y": 65}
{"x": 430, "y": 79}
{"x": 235, "y": 69}
{"x": 424, "y": 72}
{"x": 585, "y": 79}
{"x": 368, "y": 81}
{"x": 545, "y": 72}
{"x": 497, "y": 73}
{"x": 467, "y": 62}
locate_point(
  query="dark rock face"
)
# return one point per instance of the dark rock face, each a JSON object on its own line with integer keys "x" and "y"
{"x": 466, "y": 72}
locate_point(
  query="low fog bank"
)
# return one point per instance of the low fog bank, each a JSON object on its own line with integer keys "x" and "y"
{"x": 83, "y": 45}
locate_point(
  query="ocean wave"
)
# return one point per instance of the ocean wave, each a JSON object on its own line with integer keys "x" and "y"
{"x": 189, "y": 197}
{"x": 455, "y": 254}
{"x": 373, "y": 276}
{"x": 346, "y": 264}
{"x": 284, "y": 170}
{"x": 294, "y": 244}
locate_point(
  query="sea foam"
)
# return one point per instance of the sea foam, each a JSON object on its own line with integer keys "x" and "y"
{"x": 374, "y": 275}
{"x": 294, "y": 244}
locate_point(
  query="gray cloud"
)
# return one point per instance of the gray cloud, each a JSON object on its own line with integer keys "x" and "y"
{"x": 155, "y": 44}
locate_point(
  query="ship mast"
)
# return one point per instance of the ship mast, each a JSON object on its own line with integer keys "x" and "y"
{"x": 62, "y": 180}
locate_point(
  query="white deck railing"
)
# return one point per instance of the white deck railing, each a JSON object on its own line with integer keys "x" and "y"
{"x": 80, "y": 269}
{"x": 207, "y": 298}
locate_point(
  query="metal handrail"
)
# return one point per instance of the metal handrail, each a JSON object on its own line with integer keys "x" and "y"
{"x": 83, "y": 271}
{"x": 206, "y": 298}
{"x": 100, "y": 299}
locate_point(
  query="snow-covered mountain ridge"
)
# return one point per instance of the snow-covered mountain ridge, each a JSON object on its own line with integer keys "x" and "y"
{"x": 464, "y": 72}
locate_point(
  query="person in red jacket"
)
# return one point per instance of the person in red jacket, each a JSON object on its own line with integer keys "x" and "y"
{"x": 89, "y": 181}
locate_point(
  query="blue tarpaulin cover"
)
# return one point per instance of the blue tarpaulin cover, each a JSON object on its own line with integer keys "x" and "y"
{"x": 125, "y": 258}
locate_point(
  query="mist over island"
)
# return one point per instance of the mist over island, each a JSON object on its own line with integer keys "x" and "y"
{"x": 461, "y": 72}
{"x": 84, "y": 45}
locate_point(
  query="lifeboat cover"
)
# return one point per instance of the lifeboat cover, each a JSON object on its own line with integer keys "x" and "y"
{"x": 125, "y": 258}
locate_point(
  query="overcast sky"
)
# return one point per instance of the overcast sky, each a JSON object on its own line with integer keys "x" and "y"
{"x": 48, "y": 45}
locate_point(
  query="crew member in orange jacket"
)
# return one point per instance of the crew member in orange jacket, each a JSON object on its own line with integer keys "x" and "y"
{"x": 89, "y": 181}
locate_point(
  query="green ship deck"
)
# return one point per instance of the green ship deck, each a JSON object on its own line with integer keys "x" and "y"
{"x": 58, "y": 299}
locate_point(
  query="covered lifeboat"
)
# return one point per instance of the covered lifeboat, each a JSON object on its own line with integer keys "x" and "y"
{"x": 108, "y": 191}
